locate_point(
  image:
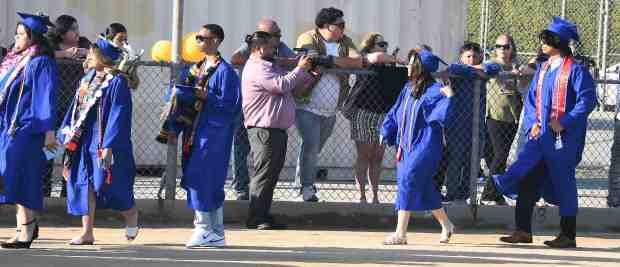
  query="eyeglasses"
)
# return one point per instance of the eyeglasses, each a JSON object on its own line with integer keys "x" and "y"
{"x": 505, "y": 47}
{"x": 382, "y": 44}
{"x": 340, "y": 25}
{"x": 200, "y": 38}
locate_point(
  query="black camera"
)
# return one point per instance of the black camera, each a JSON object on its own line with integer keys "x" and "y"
{"x": 315, "y": 58}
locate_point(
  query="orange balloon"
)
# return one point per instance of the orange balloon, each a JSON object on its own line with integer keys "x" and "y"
{"x": 191, "y": 51}
{"x": 162, "y": 51}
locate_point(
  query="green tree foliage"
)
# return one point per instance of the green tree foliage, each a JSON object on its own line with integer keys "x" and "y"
{"x": 524, "y": 19}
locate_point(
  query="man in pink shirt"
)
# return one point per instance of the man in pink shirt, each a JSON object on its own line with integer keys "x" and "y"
{"x": 268, "y": 109}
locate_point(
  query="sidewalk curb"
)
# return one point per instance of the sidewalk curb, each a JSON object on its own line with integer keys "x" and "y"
{"x": 327, "y": 214}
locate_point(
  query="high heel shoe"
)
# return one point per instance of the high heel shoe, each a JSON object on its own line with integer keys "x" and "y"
{"x": 21, "y": 244}
{"x": 35, "y": 232}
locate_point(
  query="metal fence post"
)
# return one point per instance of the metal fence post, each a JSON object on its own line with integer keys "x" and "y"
{"x": 475, "y": 150}
{"x": 171, "y": 155}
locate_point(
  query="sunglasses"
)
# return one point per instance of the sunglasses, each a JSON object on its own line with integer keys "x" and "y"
{"x": 505, "y": 47}
{"x": 340, "y": 25}
{"x": 550, "y": 39}
{"x": 201, "y": 38}
{"x": 382, "y": 44}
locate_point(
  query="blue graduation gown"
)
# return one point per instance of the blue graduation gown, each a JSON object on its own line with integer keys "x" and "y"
{"x": 85, "y": 172}
{"x": 205, "y": 171}
{"x": 418, "y": 166}
{"x": 558, "y": 186}
{"x": 22, "y": 161}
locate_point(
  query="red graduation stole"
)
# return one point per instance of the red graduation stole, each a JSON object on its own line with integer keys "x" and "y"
{"x": 558, "y": 102}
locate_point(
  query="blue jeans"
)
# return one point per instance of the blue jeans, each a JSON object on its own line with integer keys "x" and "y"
{"x": 314, "y": 130}
{"x": 241, "y": 149}
{"x": 212, "y": 221}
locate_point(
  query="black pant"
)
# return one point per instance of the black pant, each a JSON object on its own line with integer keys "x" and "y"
{"x": 529, "y": 194}
{"x": 440, "y": 176}
{"x": 269, "y": 147}
{"x": 501, "y": 134}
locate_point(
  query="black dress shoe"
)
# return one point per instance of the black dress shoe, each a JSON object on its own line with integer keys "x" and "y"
{"x": 561, "y": 241}
{"x": 35, "y": 232}
{"x": 23, "y": 244}
{"x": 517, "y": 237}
{"x": 16, "y": 245}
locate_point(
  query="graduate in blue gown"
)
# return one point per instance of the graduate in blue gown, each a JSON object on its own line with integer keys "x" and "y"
{"x": 415, "y": 126}
{"x": 28, "y": 88}
{"x": 207, "y": 139}
{"x": 561, "y": 96}
{"x": 98, "y": 164}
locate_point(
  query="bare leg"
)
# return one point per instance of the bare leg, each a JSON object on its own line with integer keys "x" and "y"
{"x": 25, "y": 216}
{"x": 18, "y": 223}
{"x": 88, "y": 221}
{"x": 447, "y": 228}
{"x": 360, "y": 168}
{"x": 131, "y": 223}
{"x": 131, "y": 217}
{"x": 403, "y": 223}
{"x": 374, "y": 170}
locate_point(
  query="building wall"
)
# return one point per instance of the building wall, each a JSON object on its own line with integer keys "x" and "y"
{"x": 439, "y": 23}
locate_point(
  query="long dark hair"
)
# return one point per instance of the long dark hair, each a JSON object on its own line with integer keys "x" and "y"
{"x": 114, "y": 29}
{"x": 40, "y": 40}
{"x": 552, "y": 39}
{"x": 62, "y": 24}
{"x": 420, "y": 78}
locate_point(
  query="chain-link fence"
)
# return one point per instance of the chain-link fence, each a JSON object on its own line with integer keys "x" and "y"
{"x": 339, "y": 152}
{"x": 598, "y": 23}
{"x": 351, "y": 161}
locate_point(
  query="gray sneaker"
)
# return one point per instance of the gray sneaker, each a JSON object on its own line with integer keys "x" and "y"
{"x": 308, "y": 194}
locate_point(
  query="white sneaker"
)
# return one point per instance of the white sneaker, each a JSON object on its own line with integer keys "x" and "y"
{"x": 446, "y": 234}
{"x": 201, "y": 238}
{"x": 131, "y": 233}
{"x": 308, "y": 194}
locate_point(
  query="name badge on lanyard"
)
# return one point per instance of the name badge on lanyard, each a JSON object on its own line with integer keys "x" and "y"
{"x": 558, "y": 142}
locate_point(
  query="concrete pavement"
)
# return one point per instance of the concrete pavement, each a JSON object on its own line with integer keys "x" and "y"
{"x": 343, "y": 247}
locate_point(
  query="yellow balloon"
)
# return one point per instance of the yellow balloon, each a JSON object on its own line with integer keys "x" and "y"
{"x": 191, "y": 52}
{"x": 162, "y": 51}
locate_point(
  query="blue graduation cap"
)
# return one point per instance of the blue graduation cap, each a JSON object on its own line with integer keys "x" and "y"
{"x": 565, "y": 29}
{"x": 36, "y": 23}
{"x": 108, "y": 49}
{"x": 430, "y": 62}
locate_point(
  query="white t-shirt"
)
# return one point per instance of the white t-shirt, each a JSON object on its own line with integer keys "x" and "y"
{"x": 324, "y": 97}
